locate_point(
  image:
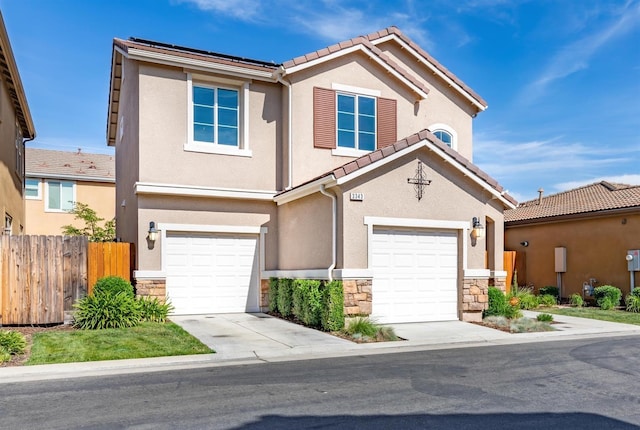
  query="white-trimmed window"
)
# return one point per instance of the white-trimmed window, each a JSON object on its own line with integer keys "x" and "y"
{"x": 60, "y": 196}
{"x": 356, "y": 122}
{"x": 217, "y": 118}
{"x": 446, "y": 134}
{"x": 32, "y": 189}
{"x": 8, "y": 224}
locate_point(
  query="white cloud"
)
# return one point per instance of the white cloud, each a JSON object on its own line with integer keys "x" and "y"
{"x": 243, "y": 10}
{"x": 631, "y": 179}
{"x": 575, "y": 56}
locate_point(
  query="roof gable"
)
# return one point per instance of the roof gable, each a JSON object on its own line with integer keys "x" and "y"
{"x": 368, "y": 44}
{"x": 589, "y": 199}
{"x": 380, "y": 157}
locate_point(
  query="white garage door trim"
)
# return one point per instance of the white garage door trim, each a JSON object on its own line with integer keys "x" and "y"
{"x": 415, "y": 275}
{"x": 248, "y": 259}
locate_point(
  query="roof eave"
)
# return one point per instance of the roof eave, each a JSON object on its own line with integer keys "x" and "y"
{"x": 572, "y": 217}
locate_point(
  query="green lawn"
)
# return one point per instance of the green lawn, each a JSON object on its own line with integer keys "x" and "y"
{"x": 146, "y": 340}
{"x": 596, "y": 314}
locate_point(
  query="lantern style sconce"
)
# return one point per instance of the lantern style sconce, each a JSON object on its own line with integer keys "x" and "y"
{"x": 153, "y": 232}
{"x": 477, "y": 231}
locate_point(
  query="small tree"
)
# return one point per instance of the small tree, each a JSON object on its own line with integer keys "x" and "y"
{"x": 91, "y": 228}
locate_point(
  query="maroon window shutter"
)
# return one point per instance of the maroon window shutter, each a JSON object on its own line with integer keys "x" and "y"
{"x": 324, "y": 118}
{"x": 387, "y": 122}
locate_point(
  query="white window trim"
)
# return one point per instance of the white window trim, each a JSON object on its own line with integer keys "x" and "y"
{"x": 37, "y": 197}
{"x": 355, "y": 90}
{"x": 46, "y": 196}
{"x": 242, "y": 149}
{"x": 355, "y": 152}
{"x": 444, "y": 127}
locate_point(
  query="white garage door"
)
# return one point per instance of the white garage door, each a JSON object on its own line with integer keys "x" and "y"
{"x": 414, "y": 275}
{"x": 212, "y": 273}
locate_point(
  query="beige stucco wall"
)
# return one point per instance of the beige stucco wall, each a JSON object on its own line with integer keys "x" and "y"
{"x": 449, "y": 197}
{"x": 10, "y": 182}
{"x": 127, "y": 155}
{"x": 305, "y": 233}
{"x": 596, "y": 248}
{"x": 204, "y": 212}
{"x": 98, "y": 195}
{"x": 444, "y": 105}
{"x": 164, "y": 132}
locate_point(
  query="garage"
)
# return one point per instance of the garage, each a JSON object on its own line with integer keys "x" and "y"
{"x": 211, "y": 272}
{"x": 414, "y": 275}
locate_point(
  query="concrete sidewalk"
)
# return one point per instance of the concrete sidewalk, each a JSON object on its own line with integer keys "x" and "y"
{"x": 258, "y": 338}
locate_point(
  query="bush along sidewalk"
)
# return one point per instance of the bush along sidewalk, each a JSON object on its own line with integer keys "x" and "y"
{"x": 503, "y": 312}
{"x": 320, "y": 304}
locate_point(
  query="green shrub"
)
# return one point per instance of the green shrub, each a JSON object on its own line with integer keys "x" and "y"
{"x": 529, "y": 301}
{"x": 633, "y": 301}
{"x": 548, "y": 300}
{"x": 154, "y": 310}
{"x": 11, "y": 343}
{"x": 576, "y": 300}
{"x": 113, "y": 285}
{"x": 607, "y": 296}
{"x": 386, "y": 334}
{"x": 332, "y": 318}
{"x": 285, "y": 296}
{"x": 497, "y": 302}
{"x": 549, "y": 289}
{"x": 512, "y": 311}
{"x": 545, "y": 317}
{"x": 362, "y": 326}
{"x": 528, "y": 325}
{"x": 307, "y": 301}
{"x": 106, "y": 310}
{"x": 273, "y": 294}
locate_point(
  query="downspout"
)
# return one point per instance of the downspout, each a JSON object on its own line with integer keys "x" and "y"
{"x": 279, "y": 77}
{"x": 334, "y": 239}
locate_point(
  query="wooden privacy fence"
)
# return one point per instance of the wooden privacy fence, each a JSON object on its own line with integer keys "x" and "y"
{"x": 42, "y": 276}
{"x": 509, "y": 267}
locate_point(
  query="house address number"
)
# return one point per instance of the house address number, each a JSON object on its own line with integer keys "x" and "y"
{"x": 357, "y": 197}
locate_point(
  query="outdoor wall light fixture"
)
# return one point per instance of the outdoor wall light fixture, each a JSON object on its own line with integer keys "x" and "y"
{"x": 153, "y": 232}
{"x": 525, "y": 243}
{"x": 478, "y": 229}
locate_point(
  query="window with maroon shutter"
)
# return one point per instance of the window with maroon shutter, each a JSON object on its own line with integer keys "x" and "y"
{"x": 324, "y": 118}
{"x": 387, "y": 122}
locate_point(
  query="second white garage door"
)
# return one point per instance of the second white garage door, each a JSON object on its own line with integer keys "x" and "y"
{"x": 212, "y": 273}
{"x": 414, "y": 275}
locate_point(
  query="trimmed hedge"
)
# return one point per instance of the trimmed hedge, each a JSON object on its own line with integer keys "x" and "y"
{"x": 113, "y": 285}
{"x": 318, "y": 304}
{"x": 497, "y": 303}
{"x": 607, "y": 296}
{"x": 550, "y": 289}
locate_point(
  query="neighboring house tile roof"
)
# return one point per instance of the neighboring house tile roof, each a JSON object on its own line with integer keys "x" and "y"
{"x": 367, "y": 41}
{"x": 400, "y": 145}
{"x": 601, "y": 196}
{"x": 44, "y": 163}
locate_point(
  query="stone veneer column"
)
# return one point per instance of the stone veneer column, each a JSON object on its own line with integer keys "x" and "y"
{"x": 475, "y": 299}
{"x": 357, "y": 297}
{"x": 152, "y": 288}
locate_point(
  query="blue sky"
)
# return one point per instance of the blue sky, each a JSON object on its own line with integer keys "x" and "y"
{"x": 561, "y": 77}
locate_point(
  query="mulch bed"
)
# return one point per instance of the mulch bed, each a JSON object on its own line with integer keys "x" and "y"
{"x": 28, "y": 332}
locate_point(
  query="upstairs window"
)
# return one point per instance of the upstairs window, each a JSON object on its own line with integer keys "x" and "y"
{"x": 215, "y": 115}
{"x": 444, "y": 136}
{"x": 60, "y": 196}
{"x": 32, "y": 189}
{"x": 356, "y": 122}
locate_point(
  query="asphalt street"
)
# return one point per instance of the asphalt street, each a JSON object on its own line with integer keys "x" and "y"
{"x": 586, "y": 384}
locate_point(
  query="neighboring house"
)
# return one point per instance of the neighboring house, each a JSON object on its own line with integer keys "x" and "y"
{"x": 16, "y": 127}
{"x": 55, "y": 180}
{"x": 593, "y": 227}
{"x": 321, "y": 167}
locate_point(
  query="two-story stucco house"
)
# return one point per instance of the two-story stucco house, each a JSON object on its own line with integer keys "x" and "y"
{"x": 352, "y": 162}
{"x": 56, "y": 180}
{"x": 16, "y": 127}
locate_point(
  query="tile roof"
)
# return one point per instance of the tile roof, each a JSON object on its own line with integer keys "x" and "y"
{"x": 593, "y": 198}
{"x": 411, "y": 140}
{"x": 75, "y": 165}
{"x": 366, "y": 40}
{"x": 190, "y": 53}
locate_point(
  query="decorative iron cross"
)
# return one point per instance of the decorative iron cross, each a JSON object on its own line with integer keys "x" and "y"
{"x": 419, "y": 181}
